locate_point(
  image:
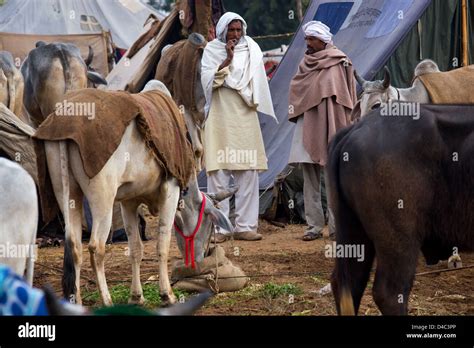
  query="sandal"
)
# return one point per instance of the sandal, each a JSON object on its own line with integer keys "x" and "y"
{"x": 219, "y": 238}
{"x": 309, "y": 236}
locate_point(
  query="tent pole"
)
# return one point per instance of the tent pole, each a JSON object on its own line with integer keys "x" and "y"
{"x": 465, "y": 50}
{"x": 299, "y": 10}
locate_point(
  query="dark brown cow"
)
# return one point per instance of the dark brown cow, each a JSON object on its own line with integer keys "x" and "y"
{"x": 400, "y": 185}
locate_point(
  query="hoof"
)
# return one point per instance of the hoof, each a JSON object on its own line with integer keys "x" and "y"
{"x": 454, "y": 262}
{"x": 107, "y": 301}
{"x": 167, "y": 299}
{"x": 136, "y": 299}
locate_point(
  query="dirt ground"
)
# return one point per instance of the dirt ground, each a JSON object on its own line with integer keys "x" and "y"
{"x": 281, "y": 258}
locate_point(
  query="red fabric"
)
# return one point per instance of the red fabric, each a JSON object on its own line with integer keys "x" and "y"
{"x": 189, "y": 240}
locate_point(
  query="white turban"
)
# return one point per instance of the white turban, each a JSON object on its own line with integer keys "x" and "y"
{"x": 223, "y": 25}
{"x": 319, "y": 30}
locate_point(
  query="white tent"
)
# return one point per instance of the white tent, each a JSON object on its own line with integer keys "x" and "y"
{"x": 123, "y": 18}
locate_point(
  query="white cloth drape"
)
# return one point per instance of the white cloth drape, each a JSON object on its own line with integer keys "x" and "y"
{"x": 247, "y": 73}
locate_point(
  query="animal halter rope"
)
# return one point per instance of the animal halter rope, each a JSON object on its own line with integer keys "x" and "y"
{"x": 189, "y": 240}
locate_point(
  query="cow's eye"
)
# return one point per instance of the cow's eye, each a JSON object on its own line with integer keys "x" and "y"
{"x": 376, "y": 106}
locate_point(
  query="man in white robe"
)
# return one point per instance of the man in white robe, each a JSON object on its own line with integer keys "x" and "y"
{"x": 236, "y": 87}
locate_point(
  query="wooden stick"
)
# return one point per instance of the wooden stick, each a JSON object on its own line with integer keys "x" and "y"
{"x": 465, "y": 48}
{"x": 444, "y": 270}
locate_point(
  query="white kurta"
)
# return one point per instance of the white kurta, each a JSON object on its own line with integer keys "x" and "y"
{"x": 298, "y": 153}
{"x": 232, "y": 136}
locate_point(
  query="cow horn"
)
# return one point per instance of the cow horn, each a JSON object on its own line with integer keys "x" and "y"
{"x": 90, "y": 56}
{"x": 386, "y": 79}
{"x": 221, "y": 195}
{"x": 359, "y": 79}
{"x": 196, "y": 39}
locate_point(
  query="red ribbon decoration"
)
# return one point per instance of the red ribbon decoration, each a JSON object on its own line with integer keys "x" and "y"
{"x": 189, "y": 240}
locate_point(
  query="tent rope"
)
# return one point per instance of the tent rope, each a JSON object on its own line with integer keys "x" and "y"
{"x": 274, "y": 36}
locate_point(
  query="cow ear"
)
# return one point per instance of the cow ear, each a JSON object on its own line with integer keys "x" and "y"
{"x": 96, "y": 78}
{"x": 218, "y": 218}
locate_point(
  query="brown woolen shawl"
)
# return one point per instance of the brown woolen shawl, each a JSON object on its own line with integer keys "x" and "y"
{"x": 324, "y": 91}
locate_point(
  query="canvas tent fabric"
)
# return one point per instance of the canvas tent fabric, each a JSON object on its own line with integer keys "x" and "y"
{"x": 98, "y": 24}
{"x": 436, "y": 36}
{"x": 123, "y": 18}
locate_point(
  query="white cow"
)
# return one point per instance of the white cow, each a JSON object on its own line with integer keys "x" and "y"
{"x": 132, "y": 177}
{"x": 18, "y": 219}
{"x": 376, "y": 93}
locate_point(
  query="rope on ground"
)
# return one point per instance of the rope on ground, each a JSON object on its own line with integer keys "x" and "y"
{"x": 293, "y": 274}
{"x": 261, "y": 275}
{"x": 210, "y": 278}
{"x": 444, "y": 270}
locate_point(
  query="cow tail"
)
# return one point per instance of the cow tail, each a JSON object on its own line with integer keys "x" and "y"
{"x": 341, "y": 283}
{"x": 66, "y": 71}
{"x": 69, "y": 270}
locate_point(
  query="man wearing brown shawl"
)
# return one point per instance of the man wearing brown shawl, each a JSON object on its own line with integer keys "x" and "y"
{"x": 322, "y": 95}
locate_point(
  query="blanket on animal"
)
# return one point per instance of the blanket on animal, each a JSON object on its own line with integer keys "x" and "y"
{"x": 17, "y": 145}
{"x": 96, "y": 121}
{"x": 450, "y": 87}
{"x": 216, "y": 272}
{"x": 178, "y": 71}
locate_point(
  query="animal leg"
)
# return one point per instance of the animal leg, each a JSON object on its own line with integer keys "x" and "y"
{"x": 168, "y": 202}
{"x": 102, "y": 221}
{"x": 351, "y": 274}
{"x": 75, "y": 214}
{"x": 71, "y": 277}
{"x": 130, "y": 221}
{"x": 357, "y": 277}
{"x": 394, "y": 279}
